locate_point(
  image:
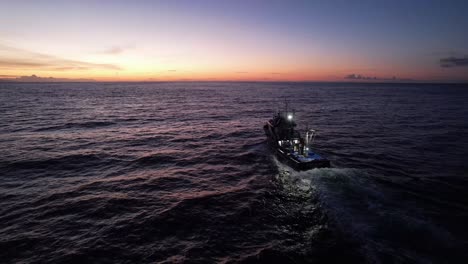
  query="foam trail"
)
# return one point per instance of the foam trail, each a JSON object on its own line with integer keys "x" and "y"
{"x": 365, "y": 211}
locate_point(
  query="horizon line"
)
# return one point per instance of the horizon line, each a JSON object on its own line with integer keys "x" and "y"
{"x": 248, "y": 81}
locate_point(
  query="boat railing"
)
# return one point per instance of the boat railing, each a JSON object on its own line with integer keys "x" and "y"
{"x": 310, "y": 136}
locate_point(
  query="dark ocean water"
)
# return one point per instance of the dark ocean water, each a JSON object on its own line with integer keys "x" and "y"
{"x": 180, "y": 172}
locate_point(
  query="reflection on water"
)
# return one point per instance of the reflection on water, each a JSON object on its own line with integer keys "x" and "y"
{"x": 148, "y": 172}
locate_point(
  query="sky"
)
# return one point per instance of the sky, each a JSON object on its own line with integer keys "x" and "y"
{"x": 235, "y": 40}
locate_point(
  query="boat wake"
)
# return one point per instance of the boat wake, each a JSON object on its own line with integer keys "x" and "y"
{"x": 369, "y": 213}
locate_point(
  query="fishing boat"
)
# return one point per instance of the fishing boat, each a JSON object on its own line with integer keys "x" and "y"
{"x": 289, "y": 146}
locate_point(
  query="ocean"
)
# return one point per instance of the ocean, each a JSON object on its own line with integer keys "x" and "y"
{"x": 180, "y": 172}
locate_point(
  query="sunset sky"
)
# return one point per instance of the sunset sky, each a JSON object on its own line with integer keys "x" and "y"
{"x": 235, "y": 40}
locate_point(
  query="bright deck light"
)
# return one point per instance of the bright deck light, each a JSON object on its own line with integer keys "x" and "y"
{"x": 290, "y": 117}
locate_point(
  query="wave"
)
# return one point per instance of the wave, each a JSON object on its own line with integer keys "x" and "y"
{"x": 75, "y": 162}
{"x": 173, "y": 158}
{"x": 79, "y": 125}
{"x": 158, "y": 159}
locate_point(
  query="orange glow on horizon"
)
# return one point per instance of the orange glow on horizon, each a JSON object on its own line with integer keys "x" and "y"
{"x": 185, "y": 75}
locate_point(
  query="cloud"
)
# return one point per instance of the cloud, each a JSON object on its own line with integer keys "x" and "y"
{"x": 113, "y": 50}
{"x": 23, "y": 59}
{"x": 354, "y": 76}
{"x": 7, "y": 76}
{"x": 116, "y": 50}
{"x": 171, "y": 70}
{"x": 35, "y": 78}
{"x": 451, "y": 62}
{"x": 242, "y": 72}
{"x": 68, "y": 68}
{"x": 18, "y": 63}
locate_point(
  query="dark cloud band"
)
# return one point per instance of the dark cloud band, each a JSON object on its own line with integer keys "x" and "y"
{"x": 354, "y": 76}
{"x": 451, "y": 62}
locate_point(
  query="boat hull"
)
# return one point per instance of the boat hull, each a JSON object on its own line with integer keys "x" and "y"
{"x": 290, "y": 159}
{"x": 300, "y": 165}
